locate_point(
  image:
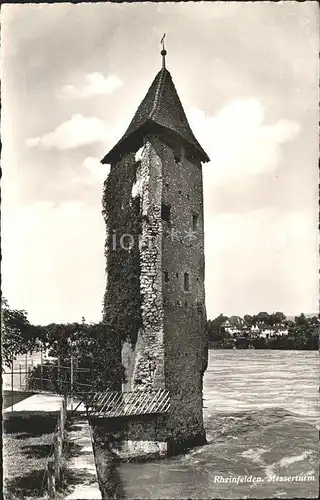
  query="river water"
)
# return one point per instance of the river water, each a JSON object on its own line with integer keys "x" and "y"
{"x": 261, "y": 416}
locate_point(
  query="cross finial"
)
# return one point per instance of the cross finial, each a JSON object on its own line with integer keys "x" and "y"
{"x": 163, "y": 52}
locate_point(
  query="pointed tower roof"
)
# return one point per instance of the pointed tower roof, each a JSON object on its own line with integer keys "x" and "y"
{"x": 160, "y": 109}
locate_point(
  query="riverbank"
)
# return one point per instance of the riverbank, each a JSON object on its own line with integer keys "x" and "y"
{"x": 281, "y": 343}
{"x": 107, "y": 473}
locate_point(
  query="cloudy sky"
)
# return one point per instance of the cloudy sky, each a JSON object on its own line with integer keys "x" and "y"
{"x": 247, "y": 75}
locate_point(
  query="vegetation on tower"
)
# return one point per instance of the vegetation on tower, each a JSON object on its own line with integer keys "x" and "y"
{"x": 122, "y": 299}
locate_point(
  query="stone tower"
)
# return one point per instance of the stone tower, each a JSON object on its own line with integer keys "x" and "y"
{"x": 155, "y": 258}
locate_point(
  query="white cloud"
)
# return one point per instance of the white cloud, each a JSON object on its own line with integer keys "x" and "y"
{"x": 75, "y": 132}
{"x": 92, "y": 175}
{"x": 238, "y": 141}
{"x": 97, "y": 172}
{"x": 96, "y": 84}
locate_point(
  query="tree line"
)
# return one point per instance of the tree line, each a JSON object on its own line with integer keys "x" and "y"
{"x": 92, "y": 347}
{"x": 303, "y": 332}
{"x": 96, "y": 349}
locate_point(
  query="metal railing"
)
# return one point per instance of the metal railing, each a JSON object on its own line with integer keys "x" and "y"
{"x": 48, "y": 378}
{"x": 72, "y": 383}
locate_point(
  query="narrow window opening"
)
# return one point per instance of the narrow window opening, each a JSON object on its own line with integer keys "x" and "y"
{"x": 166, "y": 276}
{"x": 167, "y": 184}
{"x": 177, "y": 157}
{"x": 177, "y": 275}
{"x": 180, "y": 192}
{"x": 165, "y": 212}
{"x": 136, "y": 203}
{"x": 186, "y": 282}
{"x": 135, "y": 174}
{"x": 188, "y": 196}
{"x": 195, "y": 220}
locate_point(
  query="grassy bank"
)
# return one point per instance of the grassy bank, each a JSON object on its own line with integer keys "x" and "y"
{"x": 27, "y": 443}
{"x": 27, "y": 446}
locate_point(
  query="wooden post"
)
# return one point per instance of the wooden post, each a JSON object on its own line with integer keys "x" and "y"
{"x": 65, "y": 406}
{"x": 56, "y": 449}
{"x": 63, "y": 418}
{"x": 51, "y": 479}
{"x": 12, "y": 384}
{"x": 60, "y": 442}
{"x": 20, "y": 375}
{"x": 41, "y": 370}
{"x": 26, "y": 368}
{"x": 58, "y": 375}
{"x": 71, "y": 384}
{"x": 61, "y": 422}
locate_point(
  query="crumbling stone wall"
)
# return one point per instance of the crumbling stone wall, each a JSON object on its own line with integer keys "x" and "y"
{"x": 133, "y": 299}
{"x": 149, "y": 353}
{"x": 172, "y": 338}
{"x": 185, "y": 341}
{"x": 161, "y": 324}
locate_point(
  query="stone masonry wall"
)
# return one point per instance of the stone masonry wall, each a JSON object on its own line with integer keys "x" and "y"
{"x": 141, "y": 437}
{"x": 184, "y": 311}
{"x": 170, "y": 348}
{"x": 149, "y": 353}
{"x": 133, "y": 297}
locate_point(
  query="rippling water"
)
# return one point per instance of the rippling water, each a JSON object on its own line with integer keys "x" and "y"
{"x": 261, "y": 414}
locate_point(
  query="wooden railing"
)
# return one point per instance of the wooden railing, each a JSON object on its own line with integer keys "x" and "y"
{"x": 118, "y": 404}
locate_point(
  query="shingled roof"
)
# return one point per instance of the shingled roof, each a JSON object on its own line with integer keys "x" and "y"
{"x": 160, "y": 108}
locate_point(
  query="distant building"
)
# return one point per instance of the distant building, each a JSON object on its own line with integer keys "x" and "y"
{"x": 235, "y": 326}
{"x": 265, "y": 331}
{"x": 255, "y": 330}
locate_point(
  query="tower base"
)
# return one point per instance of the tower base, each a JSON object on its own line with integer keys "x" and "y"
{"x": 183, "y": 445}
{"x": 142, "y": 438}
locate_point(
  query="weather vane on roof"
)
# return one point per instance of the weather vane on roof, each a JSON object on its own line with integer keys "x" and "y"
{"x": 163, "y": 52}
